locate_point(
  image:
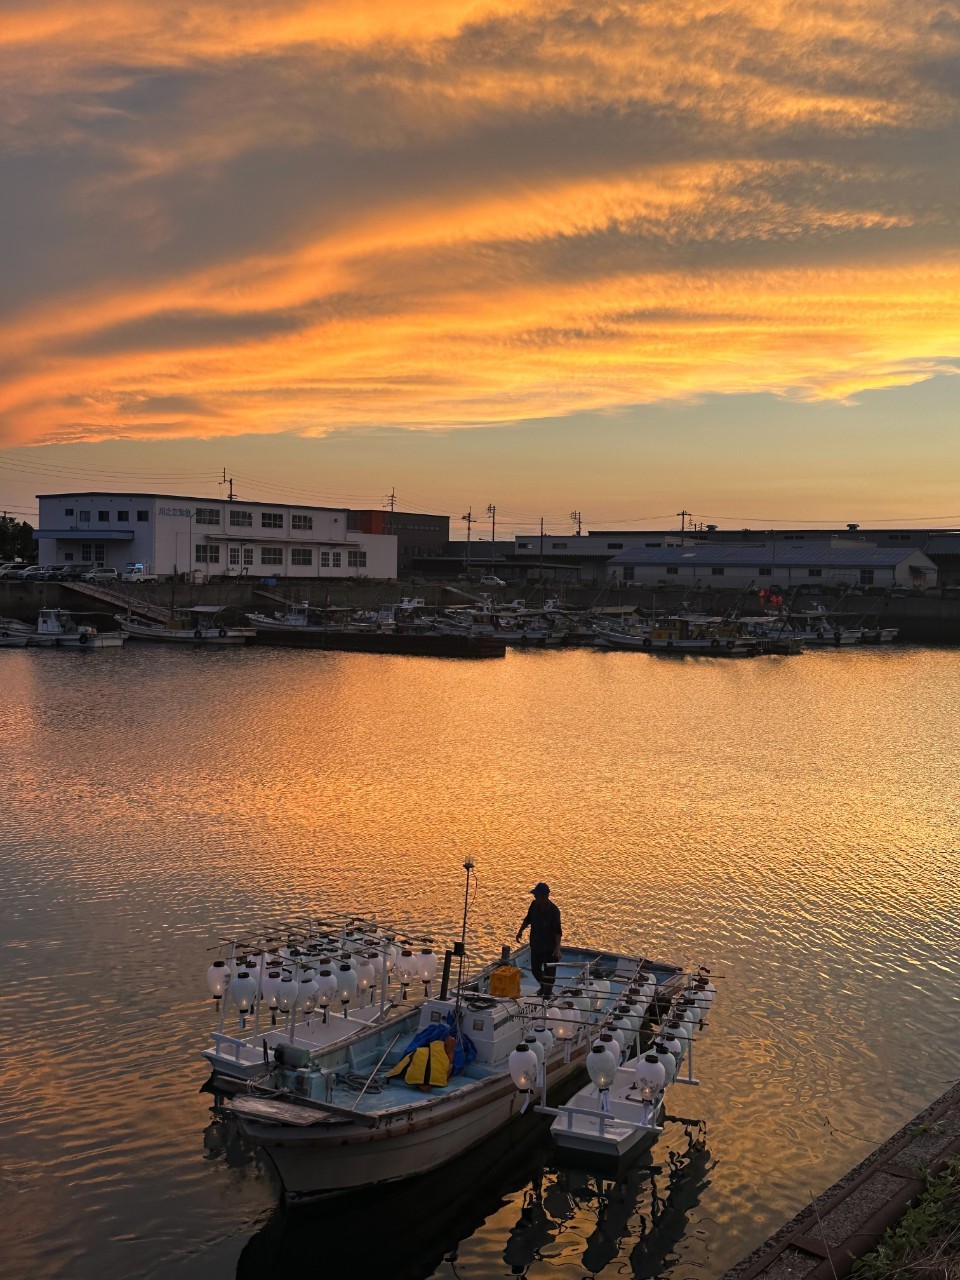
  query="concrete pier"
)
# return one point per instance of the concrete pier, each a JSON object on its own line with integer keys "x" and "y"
{"x": 843, "y": 1224}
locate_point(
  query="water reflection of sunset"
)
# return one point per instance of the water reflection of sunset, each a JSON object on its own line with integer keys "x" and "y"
{"x": 791, "y": 822}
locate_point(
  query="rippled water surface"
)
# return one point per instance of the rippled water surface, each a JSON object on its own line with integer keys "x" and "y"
{"x": 792, "y": 822}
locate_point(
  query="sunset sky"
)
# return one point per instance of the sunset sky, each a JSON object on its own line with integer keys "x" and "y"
{"x": 620, "y": 258}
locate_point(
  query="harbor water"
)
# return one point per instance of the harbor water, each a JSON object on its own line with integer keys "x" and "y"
{"x": 791, "y": 822}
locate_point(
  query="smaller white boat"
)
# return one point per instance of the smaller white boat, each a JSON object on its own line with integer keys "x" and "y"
{"x": 57, "y": 629}
{"x": 298, "y": 615}
{"x": 623, "y": 1105}
{"x": 201, "y": 624}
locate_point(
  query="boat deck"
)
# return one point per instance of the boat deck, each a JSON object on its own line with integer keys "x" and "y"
{"x": 357, "y": 1083}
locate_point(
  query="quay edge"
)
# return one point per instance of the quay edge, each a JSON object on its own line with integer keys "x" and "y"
{"x": 844, "y": 1223}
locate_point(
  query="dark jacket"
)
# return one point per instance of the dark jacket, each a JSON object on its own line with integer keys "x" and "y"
{"x": 545, "y": 927}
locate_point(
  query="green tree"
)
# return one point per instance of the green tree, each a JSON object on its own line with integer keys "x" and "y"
{"x": 16, "y": 539}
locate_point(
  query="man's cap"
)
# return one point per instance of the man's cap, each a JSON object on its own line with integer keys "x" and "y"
{"x": 541, "y": 888}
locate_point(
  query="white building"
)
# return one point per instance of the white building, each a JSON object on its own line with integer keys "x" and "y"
{"x": 212, "y": 536}
{"x": 834, "y": 563}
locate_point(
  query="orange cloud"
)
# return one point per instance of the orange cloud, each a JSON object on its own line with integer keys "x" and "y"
{"x": 307, "y": 216}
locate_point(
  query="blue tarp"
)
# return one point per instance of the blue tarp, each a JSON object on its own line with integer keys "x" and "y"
{"x": 464, "y": 1051}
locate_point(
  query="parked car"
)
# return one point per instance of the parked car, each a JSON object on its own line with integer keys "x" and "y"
{"x": 74, "y": 571}
{"x": 10, "y": 567}
{"x": 51, "y": 572}
{"x": 137, "y": 572}
{"x": 102, "y": 574}
{"x": 29, "y": 572}
{"x": 491, "y": 580}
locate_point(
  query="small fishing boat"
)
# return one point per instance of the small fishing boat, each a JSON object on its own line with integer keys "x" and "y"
{"x": 414, "y": 1092}
{"x": 706, "y": 637}
{"x": 57, "y": 629}
{"x": 623, "y": 1105}
{"x": 200, "y": 624}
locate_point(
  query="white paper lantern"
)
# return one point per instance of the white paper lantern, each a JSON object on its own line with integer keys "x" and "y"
{"x": 523, "y": 1066}
{"x": 218, "y": 979}
{"x": 601, "y": 1066}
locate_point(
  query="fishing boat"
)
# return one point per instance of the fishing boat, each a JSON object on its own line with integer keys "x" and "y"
{"x": 58, "y": 629}
{"x": 706, "y": 637}
{"x": 623, "y": 1105}
{"x": 200, "y": 624}
{"x": 414, "y": 1092}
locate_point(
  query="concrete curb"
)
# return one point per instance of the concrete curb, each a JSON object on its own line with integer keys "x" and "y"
{"x": 826, "y": 1238}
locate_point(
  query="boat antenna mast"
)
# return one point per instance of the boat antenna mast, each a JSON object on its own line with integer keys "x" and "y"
{"x": 460, "y": 947}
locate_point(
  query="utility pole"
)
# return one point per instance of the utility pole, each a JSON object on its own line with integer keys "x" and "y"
{"x": 230, "y": 483}
{"x": 492, "y": 513}
{"x": 683, "y": 521}
{"x": 391, "y": 498}
{"x": 575, "y": 517}
{"x": 540, "y": 575}
{"x": 470, "y": 519}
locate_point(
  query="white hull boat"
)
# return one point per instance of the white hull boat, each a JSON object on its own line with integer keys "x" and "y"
{"x": 57, "y": 629}
{"x": 623, "y": 1106}
{"x": 344, "y": 1120}
{"x": 200, "y": 625}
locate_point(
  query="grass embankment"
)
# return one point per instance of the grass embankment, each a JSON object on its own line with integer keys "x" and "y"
{"x": 925, "y": 1243}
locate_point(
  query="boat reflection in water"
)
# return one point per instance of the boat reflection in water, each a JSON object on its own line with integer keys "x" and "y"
{"x": 629, "y": 1217}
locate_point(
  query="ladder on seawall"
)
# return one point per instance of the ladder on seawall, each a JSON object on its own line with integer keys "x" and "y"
{"x": 120, "y": 599}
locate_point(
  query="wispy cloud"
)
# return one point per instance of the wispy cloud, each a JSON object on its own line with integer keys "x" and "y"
{"x": 234, "y": 217}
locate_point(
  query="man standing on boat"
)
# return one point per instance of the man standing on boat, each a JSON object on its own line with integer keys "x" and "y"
{"x": 543, "y": 917}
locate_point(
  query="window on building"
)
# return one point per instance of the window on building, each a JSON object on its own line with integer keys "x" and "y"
{"x": 233, "y": 555}
{"x": 672, "y": 569}
{"x": 559, "y": 546}
{"x": 84, "y": 517}
{"x": 324, "y": 559}
{"x": 271, "y": 555}
{"x": 241, "y": 519}
{"x": 68, "y": 557}
{"x": 301, "y": 555}
{"x": 99, "y": 554}
{"x": 898, "y": 537}
{"x": 207, "y": 553}
{"x": 627, "y": 572}
{"x": 716, "y": 573}
{"x": 653, "y": 544}
{"x": 123, "y": 517}
{"x": 271, "y": 520}
{"x": 68, "y": 511}
{"x": 614, "y": 546}
{"x": 793, "y": 537}
{"x": 86, "y": 552}
{"x": 301, "y": 522}
{"x": 866, "y": 577}
{"x": 207, "y": 515}
{"x": 814, "y": 573}
{"x": 764, "y": 573}
{"x": 143, "y": 517}
{"x": 103, "y": 516}
{"x": 248, "y": 556}
{"x": 335, "y": 557}
{"x": 524, "y": 546}
{"x": 356, "y": 559}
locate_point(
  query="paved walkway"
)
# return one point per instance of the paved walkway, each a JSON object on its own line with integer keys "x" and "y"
{"x": 826, "y": 1238}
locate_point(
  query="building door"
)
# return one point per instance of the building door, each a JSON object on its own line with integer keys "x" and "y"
{"x": 99, "y": 554}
